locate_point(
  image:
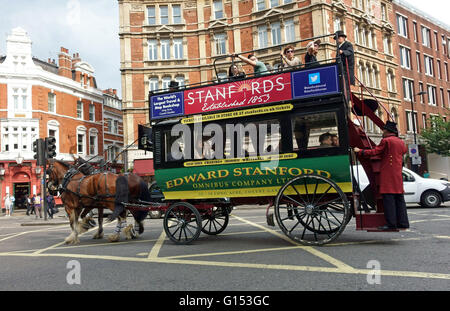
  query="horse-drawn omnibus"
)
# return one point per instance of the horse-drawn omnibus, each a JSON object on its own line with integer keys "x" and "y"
{"x": 282, "y": 139}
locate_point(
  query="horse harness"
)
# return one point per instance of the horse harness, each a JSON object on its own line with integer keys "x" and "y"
{"x": 68, "y": 178}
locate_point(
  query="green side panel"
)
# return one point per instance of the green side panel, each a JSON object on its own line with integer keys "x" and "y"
{"x": 248, "y": 179}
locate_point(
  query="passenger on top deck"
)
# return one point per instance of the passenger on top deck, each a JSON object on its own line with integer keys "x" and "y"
{"x": 289, "y": 59}
{"x": 311, "y": 53}
{"x": 235, "y": 72}
{"x": 259, "y": 68}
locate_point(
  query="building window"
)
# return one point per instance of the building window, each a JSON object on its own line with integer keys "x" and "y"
{"x": 151, "y": 18}
{"x": 80, "y": 143}
{"x": 165, "y": 83}
{"x": 164, "y": 14}
{"x": 383, "y": 12}
{"x": 424, "y": 120}
{"x": 91, "y": 112}
{"x": 289, "y": 31}
{"x": 176, "y": 13}
{"x": 422, "y": 100}
{"x": 419, "y": 65}
{"x": 387, "y": 44}
{"x": 93, "y": 143}
{"x": 357, "y": 34}
{"x": 405, "y": 57}
{"x": 429, "y": 66}
{"x": 416, "y": 39}
{"x": 390, "y": 81}
{"x": 79, "y": 110}
{"x": 436, "y": 40}
{"x": 408, "y": 89}
{"x": 152, "y": 50}
{"x": 220, "y": 43}
{"x": 273, "y": 3}
{"x": 438, "y": 62}
{"x": 276, "y": 33}
{"x": 153, "y": 84}
{"x": 426, "y": 37}
{"x": 178, "y": 48}
{"x": 116, "y": 127}
{"x": 442, "y": 98}
{"x": 180, "y": 80}
{"x": 432, "y": 95}
{"x": 51, "y": 102}
{"x": 402, "y": 26}
{"x": 218, "y": 9}
{"x": 262, "y": 36}
{"x": 261, "y": 5}
{"x": 409, "y": 122}
{"x": 165, "y": 49}
{"x": 446, "y": 71}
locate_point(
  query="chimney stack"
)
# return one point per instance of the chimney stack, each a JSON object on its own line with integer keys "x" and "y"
{"x": 65, "y": 63}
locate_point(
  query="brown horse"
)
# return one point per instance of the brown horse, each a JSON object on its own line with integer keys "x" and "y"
{"x": 79, "y": 191}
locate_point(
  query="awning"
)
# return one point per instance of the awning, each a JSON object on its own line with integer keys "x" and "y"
{"x": 143, "y": 167}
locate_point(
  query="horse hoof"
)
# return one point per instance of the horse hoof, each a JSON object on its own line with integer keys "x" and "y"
{"x": 98, "y": 236}
{"x": 129, "y": 232}
{"x": 114, "y": 237}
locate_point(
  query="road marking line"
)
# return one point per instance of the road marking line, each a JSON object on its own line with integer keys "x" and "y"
{"x": 234, "y": 252}
{"x": 153, "y": 254}
{"x": 412, "y": 274}
{"x": 309, "y": 249}
{"x": 64, "y": 242}
{"x": 424, "y": 220}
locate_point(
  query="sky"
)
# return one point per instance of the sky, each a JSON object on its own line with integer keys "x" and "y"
{"x": 91, "y": 27}
{"x": 87, "y": 27}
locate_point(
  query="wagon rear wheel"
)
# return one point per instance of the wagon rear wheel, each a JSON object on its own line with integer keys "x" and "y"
{"x": 312, "y": 210}
{"x": 182, "y": 223}
{"x": 215, "y": 220}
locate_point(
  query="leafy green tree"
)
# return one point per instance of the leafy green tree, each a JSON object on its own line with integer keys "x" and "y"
{"x": 437, "y": 136}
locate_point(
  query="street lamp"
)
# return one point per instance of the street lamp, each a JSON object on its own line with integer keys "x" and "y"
{"x": 414, "y": 119}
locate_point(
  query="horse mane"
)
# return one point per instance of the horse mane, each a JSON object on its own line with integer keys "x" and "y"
{"x": 63, "y": 163}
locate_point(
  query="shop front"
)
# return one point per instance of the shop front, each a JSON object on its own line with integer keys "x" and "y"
{"x": 20, "y": 180}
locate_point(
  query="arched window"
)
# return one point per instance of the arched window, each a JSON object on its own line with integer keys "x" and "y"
{"x": 93, "y": 142}
{"x": 81, "y": 140}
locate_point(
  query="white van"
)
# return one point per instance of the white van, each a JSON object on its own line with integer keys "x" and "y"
{"x": 425, "y": 191}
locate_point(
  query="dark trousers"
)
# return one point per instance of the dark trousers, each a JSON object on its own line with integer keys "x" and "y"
{"x": 395, "y": 210}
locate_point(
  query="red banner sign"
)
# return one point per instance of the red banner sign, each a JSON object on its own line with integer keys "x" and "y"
{"x": 238, "y": 94}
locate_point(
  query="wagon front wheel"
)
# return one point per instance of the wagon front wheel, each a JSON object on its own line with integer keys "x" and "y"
{"x": 215, "y": 220}
{"x": 312, "y": 210}
{"x": 182, "y": 223}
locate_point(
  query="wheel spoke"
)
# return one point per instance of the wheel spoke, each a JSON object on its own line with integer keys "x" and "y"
{"x": 324, "y": 194}
{"x": 296, "y": 202}
{"x": 299, "y": 195}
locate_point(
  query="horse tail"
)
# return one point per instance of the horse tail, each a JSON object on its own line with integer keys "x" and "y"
{"x": 144, "y": 195}
{"x": 121, "y": 196}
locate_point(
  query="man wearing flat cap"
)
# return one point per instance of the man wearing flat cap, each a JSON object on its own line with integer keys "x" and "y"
{"x": 391, "y": 149}
{"x": 347, "y": 55}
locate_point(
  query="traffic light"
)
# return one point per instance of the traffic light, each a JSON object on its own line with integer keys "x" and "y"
{"x": 39, "y": 151}
{"x": 50, "y": 147}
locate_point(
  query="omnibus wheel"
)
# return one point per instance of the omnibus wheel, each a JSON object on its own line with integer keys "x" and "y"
{"x": 312, "y": 210}
{"x": 182, "y": 223}
{"x": 215, "y": 220}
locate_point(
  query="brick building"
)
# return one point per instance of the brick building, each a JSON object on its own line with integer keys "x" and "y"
{"x": 40, "y": 99}
{"x": 423, "y": 54}
{"x": 113, "y": 130}
{"x": 179, "y": 40}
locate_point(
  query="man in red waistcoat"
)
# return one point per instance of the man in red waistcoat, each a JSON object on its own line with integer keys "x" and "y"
{"x": 391, "y": 149}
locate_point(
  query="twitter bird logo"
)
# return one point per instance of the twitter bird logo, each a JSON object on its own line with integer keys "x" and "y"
{"x": 314, "y": 78}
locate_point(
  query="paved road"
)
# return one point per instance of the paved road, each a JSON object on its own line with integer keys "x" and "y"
{"x": 248, "y": 255}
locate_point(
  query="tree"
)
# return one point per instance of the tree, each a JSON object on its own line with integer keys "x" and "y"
{"x": 437, "y": 136}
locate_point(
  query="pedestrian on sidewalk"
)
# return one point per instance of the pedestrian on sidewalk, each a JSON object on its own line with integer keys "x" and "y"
{"x": 50, "y": 205}
{"x": 7, "y": 200}
{"x": 29, "y": 205}
{"x": 37, "y": 205}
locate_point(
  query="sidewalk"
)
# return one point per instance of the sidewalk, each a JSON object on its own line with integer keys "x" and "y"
{"x": 20, "y": 216}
